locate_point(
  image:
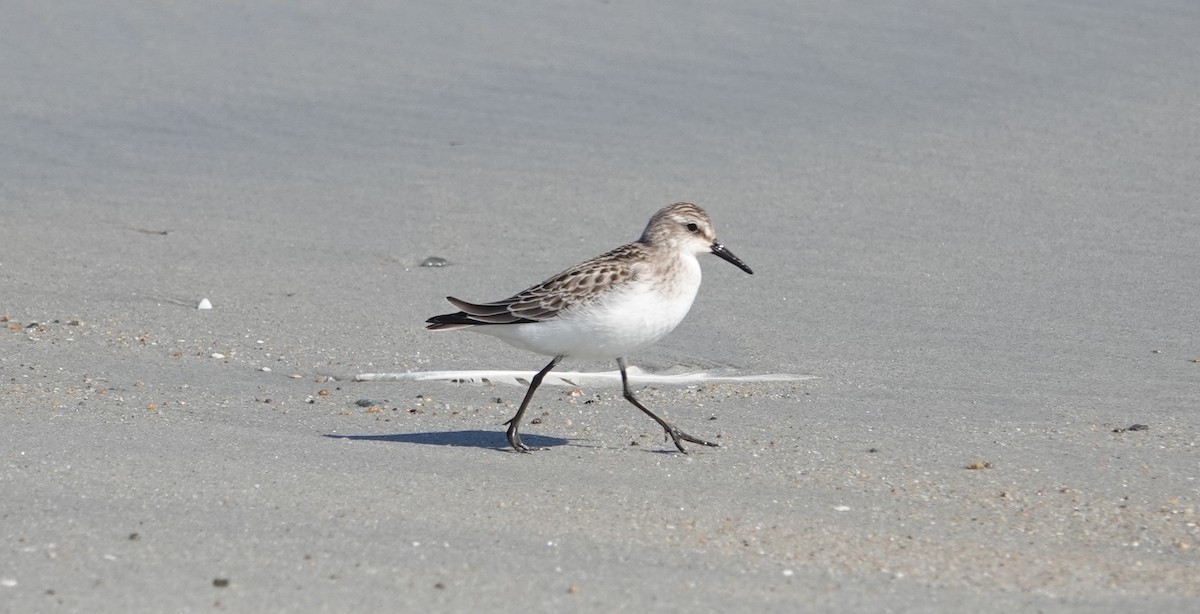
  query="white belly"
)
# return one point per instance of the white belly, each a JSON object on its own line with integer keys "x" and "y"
{"x": 635, "y": 316}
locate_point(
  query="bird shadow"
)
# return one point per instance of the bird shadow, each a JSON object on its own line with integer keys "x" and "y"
{"x": 492, "y": 440}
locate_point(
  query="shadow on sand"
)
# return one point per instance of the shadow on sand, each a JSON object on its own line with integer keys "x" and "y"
{"x": 493, "y": 440}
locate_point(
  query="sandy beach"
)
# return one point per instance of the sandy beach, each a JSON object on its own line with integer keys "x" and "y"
{"x": 974, "y": 227}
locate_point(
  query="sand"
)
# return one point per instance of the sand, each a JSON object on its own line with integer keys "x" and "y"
{"x": 975, "y": 225}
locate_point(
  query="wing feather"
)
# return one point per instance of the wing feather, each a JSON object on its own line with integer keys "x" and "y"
{"x": 569, "y": 289}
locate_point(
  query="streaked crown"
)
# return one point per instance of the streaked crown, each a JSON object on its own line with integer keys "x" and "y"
{"x": 680, "y": 224}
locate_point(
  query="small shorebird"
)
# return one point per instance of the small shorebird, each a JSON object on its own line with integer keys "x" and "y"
{"x": 605, "y": 308}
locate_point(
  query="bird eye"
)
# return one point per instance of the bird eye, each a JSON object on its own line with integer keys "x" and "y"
{"x": 692, "y": 227}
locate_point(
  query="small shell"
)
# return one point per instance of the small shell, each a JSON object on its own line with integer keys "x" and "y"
{"x": 204, "y": 304}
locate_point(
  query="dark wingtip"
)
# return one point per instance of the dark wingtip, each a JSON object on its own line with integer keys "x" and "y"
{"x": 449, "y": 318}
{"x": 450, "y": 321}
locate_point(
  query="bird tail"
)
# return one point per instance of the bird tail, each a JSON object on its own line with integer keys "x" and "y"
{"x": 473, "y": 314}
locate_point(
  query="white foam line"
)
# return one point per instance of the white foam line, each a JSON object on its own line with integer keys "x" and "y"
{"x": 576, "y": 378}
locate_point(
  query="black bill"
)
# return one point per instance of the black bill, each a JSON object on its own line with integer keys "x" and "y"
{"x": 728, "y": 256}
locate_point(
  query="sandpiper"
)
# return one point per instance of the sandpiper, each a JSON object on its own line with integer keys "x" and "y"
{"x": 606, "y": 308}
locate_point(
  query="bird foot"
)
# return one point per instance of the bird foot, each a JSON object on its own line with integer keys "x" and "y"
{"x": 679, "y": 437}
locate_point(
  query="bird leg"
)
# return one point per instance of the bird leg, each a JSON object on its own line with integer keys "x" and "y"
{"x": 674, "y": 433}
{"x": 514, "y": 438}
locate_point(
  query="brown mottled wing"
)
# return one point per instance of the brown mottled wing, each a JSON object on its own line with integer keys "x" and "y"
{"x": 575, "y": 286}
